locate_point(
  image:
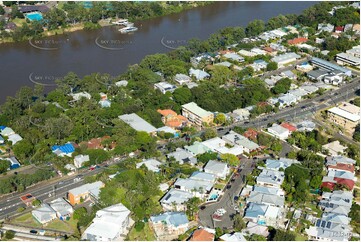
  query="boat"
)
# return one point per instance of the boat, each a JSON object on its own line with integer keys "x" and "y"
{"x": 128, "y": 29}
{"x": 218, "y": 214}
{"x": 121, "y": 22}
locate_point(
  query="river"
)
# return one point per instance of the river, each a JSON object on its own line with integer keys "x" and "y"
{"x": 106, "y": 50}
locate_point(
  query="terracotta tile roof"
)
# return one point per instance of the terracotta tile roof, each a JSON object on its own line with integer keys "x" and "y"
{"x": 329, "y": 185}
{"x": 167, "y": 112}
{"x": 339, "y": 28}
{"x": 96, "y": 143}
{"x": 288, "y": 126}
{"x": 268, "y": 49}
{"x": 297, "y": 41}
{"x": 344, "y": 167}
{"x": 202, "y": 235}
{"x": 173, "y": 123}
{"x": 347, "y": 182}
{"x": 250, "y": 134}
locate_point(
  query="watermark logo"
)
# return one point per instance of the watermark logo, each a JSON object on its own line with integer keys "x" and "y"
{"x": 44, "y": 80}
{"x": 112, "y": 44}
{"x": 47, "y": 44}
{"x": 173, "y": 43}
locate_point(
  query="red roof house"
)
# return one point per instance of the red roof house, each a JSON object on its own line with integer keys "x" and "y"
{"x": 343, "y": 167}
{"x": 339, "y": 29}
{"x": 297, "y": 41}
{"x": 250, "y": 134}
{"x": 288, "y": 126}
{"x": 202, "y": 235}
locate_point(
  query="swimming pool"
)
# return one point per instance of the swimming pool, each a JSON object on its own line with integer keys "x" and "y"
{"x": 34, "y": 16}
{"x": 213, "y": 197}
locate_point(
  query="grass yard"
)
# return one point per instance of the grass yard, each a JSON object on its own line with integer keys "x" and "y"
{"x": 26, "y": 220}
{"x": 146, "y": 234}
{"x": 19, "y": 21}
{"x": 300, "y": 237}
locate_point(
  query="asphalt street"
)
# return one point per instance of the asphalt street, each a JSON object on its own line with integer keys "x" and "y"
{"x": 226, "y": 201}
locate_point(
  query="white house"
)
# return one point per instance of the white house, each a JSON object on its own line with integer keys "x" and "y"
{"x": 151, "y": 164}
{"x": 44, "y": 214}
{"x": 198, "y": 74}
{"x": 165, "y": 87}
{"x": 219, "y": 169}
{"x": 111, "y": 223}
{"x": 279, "y": 131}
{"x": 79, "y": 160}
{"x": 182, "y": 79}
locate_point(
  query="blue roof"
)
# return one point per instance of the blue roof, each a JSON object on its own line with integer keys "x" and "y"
{"x": 2, "y": 127}
{"x": 67, "y": 148}
{"x": 173, "y": 218}
{"x": 254, "y": 210}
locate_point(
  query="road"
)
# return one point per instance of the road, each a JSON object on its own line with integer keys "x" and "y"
{"x": 303, "y": 109}
{"x": 10, "y": 203}
{"x": 226, "y": 201}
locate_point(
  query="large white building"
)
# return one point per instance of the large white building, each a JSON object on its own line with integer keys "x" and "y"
{"x": 110, "y": 224}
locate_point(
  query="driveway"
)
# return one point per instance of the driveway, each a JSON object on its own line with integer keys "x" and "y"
{"x": 226, "y": 201}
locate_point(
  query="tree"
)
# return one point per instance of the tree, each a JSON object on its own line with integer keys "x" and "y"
{"x": 231, "y": 159}
{"x": 80, "y": 212}
{"x": 281, "y": 235}
{"x": 220, "y": 119}
{"x": 4, "y": 165}
{"x": 238, "y": 222}
{"x": 356, "y": 134}
{"x": 2, "y": 11}
{"x": 282, "y": 86}
{"x": 192, "y": 206}
{"x": 255, "y": 27}
{"x": 23, "y": 149}
{"x": 276, "y": 147}
{"x": 209, "y": 133}
{"x": 257, "y": 237}
{"x": 205, "y": 157}
{"x": 182, "y": 95}
{"x": 9, "y": 234}
{"x": 36, "y": 202}
{"x": 271, "y": 66}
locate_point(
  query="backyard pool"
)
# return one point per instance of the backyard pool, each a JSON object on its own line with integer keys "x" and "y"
{"x": 34, "y": 16}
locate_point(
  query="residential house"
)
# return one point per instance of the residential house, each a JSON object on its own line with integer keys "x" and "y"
{"x": 236, "y": 139}
{"x": 286, "y": 58}
{"x": 196, "y": 114}
{"x": 267, "y": 199}
{"x": 6, "y": 131}
{"x": 219, "y": 145}
{"x": 169, "y": 130}
{"x": 344, "y": 117}
{"x": 14, "y": 163}
{"x": 289, "y": 126}
{"x": 137, "y": 123}
{"x": 199, "y": 74}
{"x": 63, "y": 150}
{"x": 236, "y": 236}
{"x": 104, "y": 101}
{"x": 258, "y": 51}
{"x": 299, "y": 93}
{"x": 151, "y": 164}
{"x": 197, "y": 148}
{"x": 96, "y": 143}
{"x": 122, "y": 83}
{"x": 347, "y": 59}
{"x": 279, "y": 131}
{"x": 331, "y": 227}
{"x": 247, "y": 53}
{"x": 338, "y": 202}
{"x": 169, "y": 225}
{"x": 250, "y": 134}
{"x": 79, "y": 160}
{"x": 289, "y": 74}
{"x": 334, "y": 148}
{"x": 278, "y": 47}
{"x": 182, "y": 79}
{"x": 175, "y": 200}
{"x": 270, "y": 178}
{"x": 14, "y": 138}
{"x": 164, "y": 87}
{"x": 203, "y": 234}
{"x": 305, "y": 125}
{"x": 263, "y": 214}
{"x": 78, "y": 96}
{"x": 270, "y": 50}
{"x": 354, "y": 51}
{"x": 182, "y": 156}
{"x": 224, "y": 63}
{"x": 335, "y": 160}
{"x": 339, "y": 29}
{"x": 63, "y": 209}
{"x": 172, "y": 119}
{"x": 85, "y": 192}
{"x": 304, "y": 67}
{"x": 356, "y": 29}
{"x": 242, "y": 113}
{"x": 281, "y": 163}
{"x": 309, "y": 88}
{"x": 287, "y": 99}
{"x": 325, "y": 27}
{"x": 234, "y": 57}
{"x": 44, "y": 214}
{"x": 268, "y": 190}
{"x": 259, "y": 65}
{"x": 254, "y": 228}
{"x": 219, "y": 169}
{"x": 198, "y": 187}
{"x": 2, "y": 140}
{"x": 110, "y": 224}
{"x": 297, "y": 41}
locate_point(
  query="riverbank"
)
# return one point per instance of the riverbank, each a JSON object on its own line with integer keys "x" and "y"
{"x": 101, "y": 23}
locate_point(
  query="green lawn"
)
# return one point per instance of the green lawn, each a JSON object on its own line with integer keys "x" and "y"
{"x": 146, "y": 234}
{"x": 300, "y": 237}
{"x": 19, "y": 21}
{"x": 28, "y": 220}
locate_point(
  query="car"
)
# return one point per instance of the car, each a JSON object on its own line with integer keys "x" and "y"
{"x": 228, "y": 186}
{"x": 322, "y": 99}
{"x": 232, "y": 180}
{"x": 33, "y": 231}
{"x": 202, "y": 207}
{"x": 97, "y": 167}
{"x": 61, "y": 182}
{"x": 265, "y": 119}
{"x": 247, "y": 122}
{"x": 303, "y": 107}
{"x": 106, "y": 165}
{"x": 236, "y": 198}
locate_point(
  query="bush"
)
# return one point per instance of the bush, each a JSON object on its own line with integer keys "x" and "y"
{"x": 20, "y": 209}
{"x": 139, "y": 226}
{"x": 9, "y": 234}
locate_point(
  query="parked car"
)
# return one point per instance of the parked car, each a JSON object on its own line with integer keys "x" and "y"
{"x": 33, "y": 231}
